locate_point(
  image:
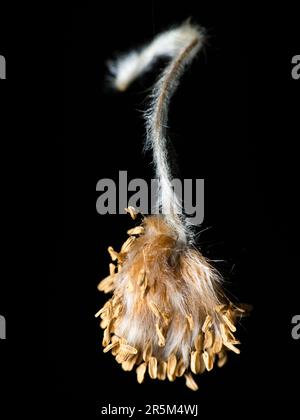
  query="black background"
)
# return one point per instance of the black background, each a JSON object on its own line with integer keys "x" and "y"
{"x": 233, "y": 122}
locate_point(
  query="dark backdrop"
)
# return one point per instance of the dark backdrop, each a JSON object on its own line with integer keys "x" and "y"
{"x": 233, "y": 122}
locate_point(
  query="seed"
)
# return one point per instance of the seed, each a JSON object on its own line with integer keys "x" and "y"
{"x": 152, "y": 367}
{"x": 140, "y": 372}
{"x": 127, "y": 245}
{"x": 199, "y": 342}
{"x": 113, "y": 254}
{"x": 207, "y": 323}
{"x": 110, "y": 346}
{"x": 208, "y": 341}
{"x": 128, "y": 364}
{"x": 161, "y": 338}
{"x": 162, "y": 371}
{"x": 190, "y": 383}
{"x": 141, "y": 277}
{"x": 154, "y": 308}
{"x": 106, "y": 285}
{"x": 190, "y": 322}
{"x": 147, "y": 352}
{"x": 128, "y": 349}
{"x": 222, "y": 359}
{"x": 208, "y": 360}
{"x": 229, "y": 323}
{"x": 180, "y": 368}
{"x": 195, "y": 362}
{"x": 106, "y": 337}
{"x": 112, "y": 269}
{"x": 218, "y": 344}
{"x": 232, "y": 347}
{"x": 223, "y": 333}
{"x": 171, "y": 367}
{"x": 131, "y": 210}
{"x": 138, "y": 230}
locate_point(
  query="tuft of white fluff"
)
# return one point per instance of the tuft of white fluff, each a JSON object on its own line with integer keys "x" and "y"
{"x": 180, "y": 45}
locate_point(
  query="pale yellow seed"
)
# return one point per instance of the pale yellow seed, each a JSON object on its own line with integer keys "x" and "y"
{"x": 162, "y": 371}
{"x": 223, "y": 333}
{"x": 112, "y": 269}
{"x": 132, "y": 211}
{"x": 106, "y": 285}
{"x": 127, "y": 245}
{"x": 110, "y": 346}
{"x": 180, "y": 368}
{"x": 208, "y": 341}
{"x": 138, "y": 230}
{"x": 154, "y": 308}
{"x": 195, "y": 362}
{"x": 207, "y": 323}
{"x": 147, "y": 352}
{"x": 161, "y": 338}
{"x": 104, "y": 323}
{"x": 152, "y": 367}
{"x": 229, "y": 323}
{"x": 140, "y": 371}
{"x": 232, "y": 347}
{"x": 190, "y": 383}
{"x": 222, "y": 359}
{"x": 171, "y": 367}
{"x": 141, "y": 277}
{"x": 208, "y": 360}
{"x": 190, "y": 322}
{"x": 218, "y": 344}
{"x": 199, "y": 342}
{"x": 113, "y": 254}
{"x": 128, "y": 349}
{"x": 106, "y": 337}
{"x": 129, "y": 364}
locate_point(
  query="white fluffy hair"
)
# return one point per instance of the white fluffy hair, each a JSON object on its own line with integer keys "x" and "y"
{"x": 168, "y": 313}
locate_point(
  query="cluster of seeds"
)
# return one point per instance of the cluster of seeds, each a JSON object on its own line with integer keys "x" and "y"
{"x": 208, "y": 338}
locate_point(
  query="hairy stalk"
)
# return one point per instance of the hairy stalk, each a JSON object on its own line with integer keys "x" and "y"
{"x": 180, "y": 45}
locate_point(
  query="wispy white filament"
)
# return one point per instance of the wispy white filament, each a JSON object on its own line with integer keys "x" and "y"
{"x": 180, "y": 45}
